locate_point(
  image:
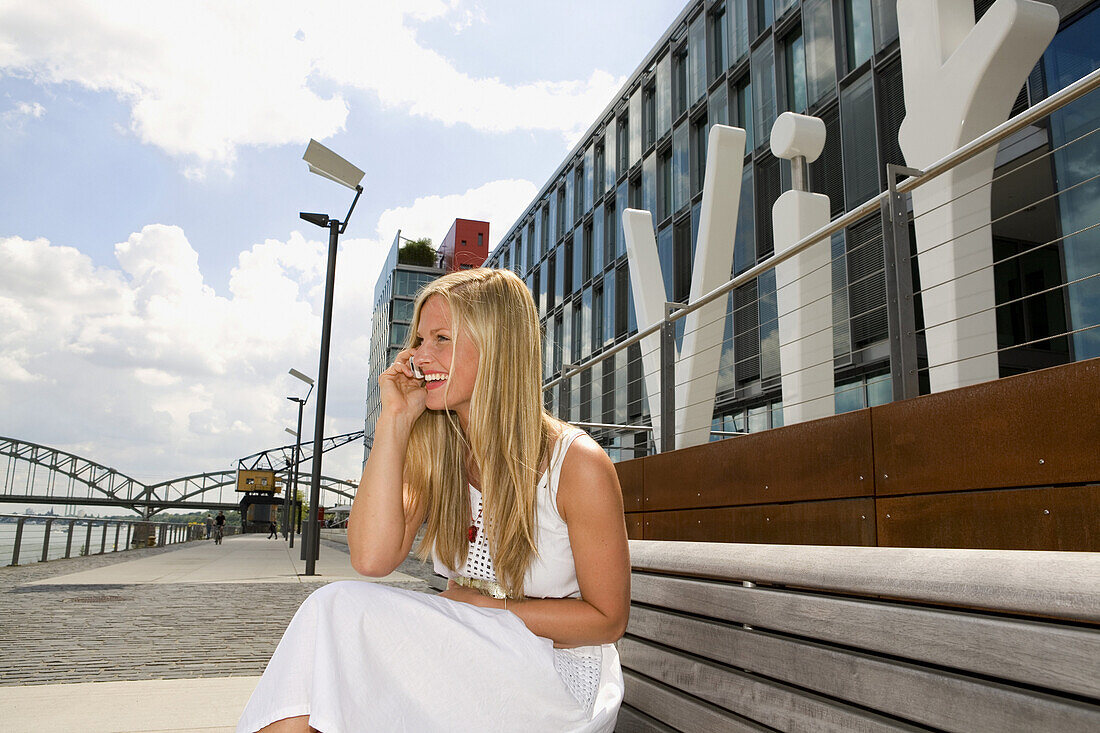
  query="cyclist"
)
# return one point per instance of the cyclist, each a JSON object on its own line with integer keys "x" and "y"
{"x": 219, "y": 527}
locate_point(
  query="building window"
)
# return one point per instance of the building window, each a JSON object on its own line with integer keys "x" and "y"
{"x": 763, "y": 83}
{"x": 884, "y": 14}
{"x": 666, "y": 256}
{"x": 744, "y": 246}
{"x": 578, "y": 193}
{"x": 561, "y": 210}
{"x": 599, "y": 168}
{"x": 636, "y": 127}
{"x": 794, "y": 62}
{"x": 589, "y": 180}
{"x": 649, "y": 116}
{"x": 764, "y": 16}
{"x": 817, "y": 24}
{"x": 743, "y": 109}
{"x": 857, "y": 125}
{"x": 565, "y": 269}
{"x": 611, "y": 232}
{"x": 717, "y": 43}
{"x": 698, "y": 154}
{"x": 739, "y": 30}
{"x": 697, "y": 60}
{"x": 718, "y": 112}
{"x": 679, "y": 82}
{"x": 859, "y": 33}
{"x": 681, "y": 263}
{"x": 680, "y": 166}
{"x": 664, "y": 185}
{"x": 622, "y": 135}
{"x": 481, "y": 237}
{"x": 649, "y": 184}
{"x": 664, "y": 96}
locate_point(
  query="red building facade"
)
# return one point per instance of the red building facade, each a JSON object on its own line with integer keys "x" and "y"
{"x": 466, "y": 245}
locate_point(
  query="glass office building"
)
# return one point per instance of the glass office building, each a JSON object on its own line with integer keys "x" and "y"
{"x": 742, "y": 63}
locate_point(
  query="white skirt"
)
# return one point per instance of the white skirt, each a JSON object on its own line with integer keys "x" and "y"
{"x": 359, "y": 656}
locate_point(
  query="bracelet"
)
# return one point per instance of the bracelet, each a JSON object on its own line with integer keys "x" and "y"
{"x": 505, "y": 603}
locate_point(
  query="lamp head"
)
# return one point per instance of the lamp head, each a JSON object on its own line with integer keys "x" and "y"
{"x": 297, "y": 374}
{"x": 328, "y": 164}
{"x": 320, "y": 220}
{"x": 292, "y": 432}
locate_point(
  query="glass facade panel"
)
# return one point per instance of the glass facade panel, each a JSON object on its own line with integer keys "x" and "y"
{"x": 578, "y": 260}
{"x": 795, "y": 63}
{"x": 857, "y": 124}
{"x": 664, "y": 96}
{"x": 609, "y": 306}
{"x": 880, "y": 390}
{"x": 597, "y": 239}
{"x": 649, "y": 184}
{"x": 764, "y": 15}
{"x": 589, "y": 179}
{"x": 664, "y": 186}
{"x": 668, "y": 264}
{"x": 610, "y": 175}
{"x": 586, "y": 324}
{"x": 743, "y": 108}
{"x": 681, "y": 153}
{"x": 769, "y": 326}
{"x": 857, "y": 17}
{"x": 635, "y": 113}
{"x": 403, "y": 310}
{"x": 782, "y": 6}
{"x": 817, "y": 28}
{"x": 697, "y": 59}
{"x": 1071, "y": 55}
{"x": 698, "y": 154}
{"x": 739, "y": 30}
{"x": 718, "y": 108}
{"x": 649, "y": 116}
{"x": 717, "y": 43}
{"x": 550, "y": 215}
{"x": 885, "y": 16}
{"x": 763, "y": 85}
{"x": 679, "y": 82}
{"x": 567, "y": 212}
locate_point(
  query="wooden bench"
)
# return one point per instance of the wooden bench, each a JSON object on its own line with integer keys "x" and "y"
{"x": 728, "y": 637}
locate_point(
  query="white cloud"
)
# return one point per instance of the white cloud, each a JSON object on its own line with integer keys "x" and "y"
{"x": 143, "y": 366}
{"x": 203, "y": 78}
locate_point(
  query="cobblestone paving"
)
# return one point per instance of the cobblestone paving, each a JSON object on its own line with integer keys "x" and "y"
{"x": 97, "y": 633}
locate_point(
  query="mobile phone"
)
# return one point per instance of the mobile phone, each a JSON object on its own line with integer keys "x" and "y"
{"x": 416, "y": 372}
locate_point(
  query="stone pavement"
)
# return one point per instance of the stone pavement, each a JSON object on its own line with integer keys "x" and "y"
{"x": 196, "y": 623}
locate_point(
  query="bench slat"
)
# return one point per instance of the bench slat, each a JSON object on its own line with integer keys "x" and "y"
{"x": 635, "y": 721}
{"x": 770, "y": 703}
{"x": 1047, "y": 655}
{"x": 936, "y": 698}
{"x": 683, "y": 713}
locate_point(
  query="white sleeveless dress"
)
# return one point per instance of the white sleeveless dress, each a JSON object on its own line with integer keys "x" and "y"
{"x": 359, "y": 656}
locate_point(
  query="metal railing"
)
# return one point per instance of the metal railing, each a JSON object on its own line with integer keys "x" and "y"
{"x": 880, "y": 349}
{"x": 21, "y": 534}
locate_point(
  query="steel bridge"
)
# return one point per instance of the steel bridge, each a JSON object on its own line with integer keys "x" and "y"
{"x": 39, "y": 474}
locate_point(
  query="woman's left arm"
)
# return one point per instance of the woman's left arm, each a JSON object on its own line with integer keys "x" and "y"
{"x": 591, "y": 503}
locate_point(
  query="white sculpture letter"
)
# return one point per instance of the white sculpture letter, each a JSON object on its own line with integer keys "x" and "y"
{"x": 960, "y": 81}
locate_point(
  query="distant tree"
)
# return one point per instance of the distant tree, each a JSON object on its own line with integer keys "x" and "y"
{"x": 417, "y": 252}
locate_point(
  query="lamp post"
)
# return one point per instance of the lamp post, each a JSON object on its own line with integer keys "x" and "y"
{"x": 292, "y": 497}
{"x": 328, "y": 164}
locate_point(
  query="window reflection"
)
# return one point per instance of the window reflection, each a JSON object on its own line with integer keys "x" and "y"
{"x": 795, "y": 63}
{"x": 857, "y": 16}
{"x": 817, "y": 24}
{"x": 763, "y": 82}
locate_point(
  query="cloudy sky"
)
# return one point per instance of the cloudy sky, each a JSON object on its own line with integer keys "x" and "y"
{"x": 155, "y": 280}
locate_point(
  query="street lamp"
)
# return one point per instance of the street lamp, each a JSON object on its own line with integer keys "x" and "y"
{"x": 288, "y": 502}
{"x": 328, "y": 164}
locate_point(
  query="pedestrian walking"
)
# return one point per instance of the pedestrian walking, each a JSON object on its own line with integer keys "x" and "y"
{"x": 274, "y": 530}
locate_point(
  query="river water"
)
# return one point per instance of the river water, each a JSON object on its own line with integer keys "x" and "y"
{"x": 31, "y": 546}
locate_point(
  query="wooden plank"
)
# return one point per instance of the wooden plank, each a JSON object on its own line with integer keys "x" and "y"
{"x": 681, "y": 712}
{"x": 1063, "y": 585}
{"x": 634, "y": 525}
{"x": 1061, "y": 518}
{"x": 836, "y": 522}
{"x": 956, "y": 440}
{"x": 635, "y": 721}
{"x": 829, "y": 458}
{"x": 1055, "y": 656}
{"x": 931, "y": 697}
{"x": 769, "y": 703}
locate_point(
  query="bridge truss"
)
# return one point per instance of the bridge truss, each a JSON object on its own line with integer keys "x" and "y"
{"x": 39, "y": 474}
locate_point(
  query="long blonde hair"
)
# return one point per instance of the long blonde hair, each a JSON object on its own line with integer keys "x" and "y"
{"x": 509, "y": 433}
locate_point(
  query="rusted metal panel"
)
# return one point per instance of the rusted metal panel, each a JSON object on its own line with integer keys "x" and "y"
{"x": 1036, "y": 429}
{"x": 821, "y": 459}
{"x": 837, "y": 522}
{"x": 634, "y": 526}
{"x": 1058, "y": 518}
{"x": 630, "y": 479}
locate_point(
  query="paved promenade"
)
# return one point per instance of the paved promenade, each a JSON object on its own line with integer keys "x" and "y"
{"x": 157, "y": 639}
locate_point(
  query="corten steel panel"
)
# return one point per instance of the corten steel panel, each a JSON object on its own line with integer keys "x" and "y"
{"x": 821, "y": 459}
{"x": 837, "y": 522}
{"x": 634, "y": 526}
{"x": 630, "y": 479}
{"x": 1061, "y": 518}
{"x": 1036, "y": 429}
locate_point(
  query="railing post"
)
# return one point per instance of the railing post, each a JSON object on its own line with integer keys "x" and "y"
{"x": 69, "y": 540}
{"x": 46, "y": 541}
{"x": 88, "y": 539}
{"x": 118, "y": 529}
{"x": 901, "y": 313}
{"x": 18, "y": 539}
{"x": 103, "y": 539}
{"x": 668, "y": 380}
{"x": 129, "y": 534}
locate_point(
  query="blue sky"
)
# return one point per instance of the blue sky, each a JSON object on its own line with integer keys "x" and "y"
{"x": 157, "y": 282}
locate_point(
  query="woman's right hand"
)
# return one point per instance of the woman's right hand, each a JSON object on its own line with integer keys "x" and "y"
{"x": 403, "y": 394}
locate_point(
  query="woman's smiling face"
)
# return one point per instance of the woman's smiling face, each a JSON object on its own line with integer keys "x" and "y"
{"x": 448, "y": 360}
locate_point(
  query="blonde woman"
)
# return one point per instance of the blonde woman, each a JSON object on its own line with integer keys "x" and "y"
{"x": 523, "y": 515}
